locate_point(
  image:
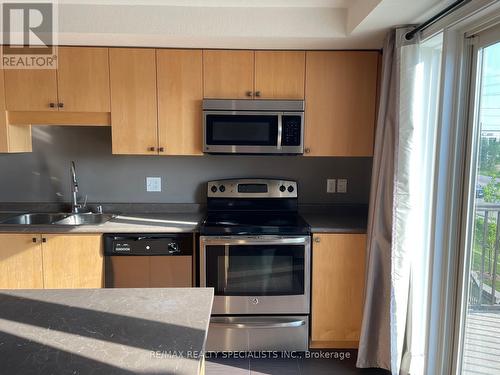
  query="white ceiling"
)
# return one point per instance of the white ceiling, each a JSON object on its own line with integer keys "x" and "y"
{"x": 285, "y": 24}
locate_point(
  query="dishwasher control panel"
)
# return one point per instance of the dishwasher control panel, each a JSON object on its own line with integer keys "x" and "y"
{"x": 148, "y": 244}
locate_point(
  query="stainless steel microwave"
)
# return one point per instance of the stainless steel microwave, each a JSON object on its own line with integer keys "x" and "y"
{"x": 253, "y": 126}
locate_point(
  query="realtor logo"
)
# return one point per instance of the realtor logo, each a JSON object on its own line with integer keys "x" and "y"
{"x": 28, "y": 35}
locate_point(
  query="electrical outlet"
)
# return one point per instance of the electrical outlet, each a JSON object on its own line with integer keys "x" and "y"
{"x": 153, "y": 184}
{"x": 330, "y": 185}
{"x": 342, "y": 185}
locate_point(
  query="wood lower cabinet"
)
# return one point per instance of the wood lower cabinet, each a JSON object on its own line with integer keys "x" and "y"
{"x": 51, "y": 261}
{"x": 180, "y": 93}
{"x": 83, "y": 79}
{"x": 133, "y": 101}
{"x": 341, "y": 98}
{"x": 20, "y": 261}
{"x": 72, "y": 261}
{"x": 280, "y": 74}
{"x": 228, "y": 74}
{"x": 338, "y": 282}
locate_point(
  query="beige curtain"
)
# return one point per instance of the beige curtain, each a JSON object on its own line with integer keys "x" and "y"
{"x": 395, "y": 317}
{"x": 375, "y": 344}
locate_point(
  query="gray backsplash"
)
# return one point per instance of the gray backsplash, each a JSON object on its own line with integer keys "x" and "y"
{"x": 43, "y": 175}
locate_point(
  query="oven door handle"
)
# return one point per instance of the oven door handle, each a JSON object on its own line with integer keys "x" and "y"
{"x": 257, "y": 324}
{"x": 250, "y": 240}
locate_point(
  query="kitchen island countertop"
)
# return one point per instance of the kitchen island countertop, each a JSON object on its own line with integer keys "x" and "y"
{"x": 104, "y": 331}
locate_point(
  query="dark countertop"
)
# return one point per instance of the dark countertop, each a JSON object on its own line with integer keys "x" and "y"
{"x": 187, "y": 222}
{"x": 324, "y": 219}
{"x": 336, "y": 219}
{"x": 104, "y": 331}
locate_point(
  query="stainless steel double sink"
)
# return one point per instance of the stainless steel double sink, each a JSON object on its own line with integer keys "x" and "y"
{"x": 58, "y": 219}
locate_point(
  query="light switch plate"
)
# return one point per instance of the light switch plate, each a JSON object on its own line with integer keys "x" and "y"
{"x": 330, "y": 185}
{"x": 153, "y": 184}
{"x": 342, "y": 185}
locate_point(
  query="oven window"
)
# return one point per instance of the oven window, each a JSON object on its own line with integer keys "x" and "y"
{"x": 242, "y": 130}
{"x": 255, "y": 270}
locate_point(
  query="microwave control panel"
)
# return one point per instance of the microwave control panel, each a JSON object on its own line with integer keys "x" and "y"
{"x": 292, "y": 130}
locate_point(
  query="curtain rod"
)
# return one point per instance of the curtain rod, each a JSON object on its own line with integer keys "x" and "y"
{"x": 450, "y": 8}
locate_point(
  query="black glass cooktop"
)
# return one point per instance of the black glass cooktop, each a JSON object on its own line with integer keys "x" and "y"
{"x": 240, "y": 223}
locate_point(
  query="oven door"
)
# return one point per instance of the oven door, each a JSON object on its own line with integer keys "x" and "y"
{"x": 257, "y": 274}
{"x": 242, "y": 132}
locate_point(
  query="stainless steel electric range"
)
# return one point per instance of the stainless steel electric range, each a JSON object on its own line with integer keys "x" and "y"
{"x": 255, "y": 252}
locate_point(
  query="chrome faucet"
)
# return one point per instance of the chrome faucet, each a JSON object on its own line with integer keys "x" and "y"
{"x": 75, "y": 206}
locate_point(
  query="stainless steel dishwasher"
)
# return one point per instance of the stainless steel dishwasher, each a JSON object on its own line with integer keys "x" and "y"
{"x": 148, "y": 260}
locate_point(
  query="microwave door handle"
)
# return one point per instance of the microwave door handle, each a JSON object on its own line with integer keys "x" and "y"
{"x": 280, "y": 130}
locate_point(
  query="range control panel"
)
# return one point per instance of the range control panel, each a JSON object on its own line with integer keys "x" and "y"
{"x": 252, "y": 188}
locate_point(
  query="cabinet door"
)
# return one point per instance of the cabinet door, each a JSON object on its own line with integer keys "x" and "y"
{"x": 133, "y": 101}
{"x": 341, "y": 96}
{"x": 180, "y": 92}
{"x": 280, "y": 74}
{"x": 30, "y": 90}
{"x": 72, "y": 261}
{"x": 20, "y": 261}
{"x": 83, "y": 79}
{"x": 338, "y": 282}
{"x": 13, "y": 138}
{"x": 228, "y": 74}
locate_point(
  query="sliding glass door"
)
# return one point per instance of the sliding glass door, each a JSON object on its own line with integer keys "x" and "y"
{"x": 480, "y": 323}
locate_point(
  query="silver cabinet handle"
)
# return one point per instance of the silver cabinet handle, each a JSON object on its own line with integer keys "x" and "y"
{"x": 307, "y": 150}
{"x": 257, "y": 94}
{"x": 249, "y": 93}
{"x": 317, "y": 239}
{"x": 262, "y": 324}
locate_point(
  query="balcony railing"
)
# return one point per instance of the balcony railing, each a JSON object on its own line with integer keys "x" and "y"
{"x": 484, "y": 281}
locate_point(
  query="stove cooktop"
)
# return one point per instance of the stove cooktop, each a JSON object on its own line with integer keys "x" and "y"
{"x": 254, "y": 223}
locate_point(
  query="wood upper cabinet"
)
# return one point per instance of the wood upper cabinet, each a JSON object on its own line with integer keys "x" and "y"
{"x": 83, "y": 79}
{"x": 20, "y": 261}
{"x": 341, "y": 96}
{"x": 180, "y": 92}
{"x": 228, "y": 74}
{"x": 338, "y": 283}
{"x": 13, "y": 138}
{"x": 279, "y": 74}
{"x": 133, "y": 101}
{"x": 72, "y": 261}
{"x": 249, "y": 74}
{"x": 80, "y": 83}
{"x": 30, "y": 90}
